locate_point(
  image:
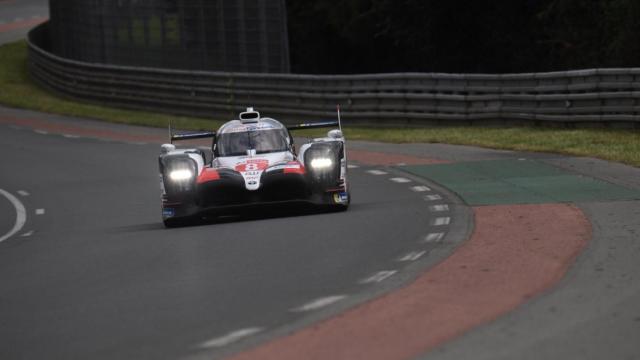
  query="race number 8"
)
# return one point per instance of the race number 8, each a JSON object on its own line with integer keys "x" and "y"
{"x": 252, "y": 167}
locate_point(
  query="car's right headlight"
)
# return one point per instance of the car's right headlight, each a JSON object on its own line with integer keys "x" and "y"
{"x": 321, "y": 163}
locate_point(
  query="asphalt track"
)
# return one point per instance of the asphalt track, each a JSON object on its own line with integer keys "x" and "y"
{"x": 18, "y": 16}
{"x": 97, "y": 275}
{"x": 93, "y": 274}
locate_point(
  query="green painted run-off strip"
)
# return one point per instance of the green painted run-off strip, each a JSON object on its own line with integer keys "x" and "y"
{"x": 508, "y": 182}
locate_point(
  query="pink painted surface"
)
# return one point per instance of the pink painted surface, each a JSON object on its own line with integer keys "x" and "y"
{"x": 22, "y": 24}
{"x": 514, "y": 254}
{"x": 59, "y": 128}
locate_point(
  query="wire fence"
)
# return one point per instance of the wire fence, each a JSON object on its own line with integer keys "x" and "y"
{"x": 222, "y": 35}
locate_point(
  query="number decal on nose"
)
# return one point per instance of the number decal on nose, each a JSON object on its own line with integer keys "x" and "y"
{"x": 252, "y": 165}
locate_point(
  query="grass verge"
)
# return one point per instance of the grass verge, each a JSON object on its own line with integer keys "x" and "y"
{"x": 17, "y": 90}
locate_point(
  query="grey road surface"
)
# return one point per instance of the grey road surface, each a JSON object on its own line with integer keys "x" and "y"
{"x": 99, "y": 276}
{"x": 20, "y": 11}
{"x": 93, "y": 274}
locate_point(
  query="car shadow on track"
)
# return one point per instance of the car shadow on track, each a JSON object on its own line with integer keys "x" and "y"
{"x": 274, "y": 212}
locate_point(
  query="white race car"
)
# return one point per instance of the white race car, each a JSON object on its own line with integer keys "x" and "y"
{"x": 254, "y": 162}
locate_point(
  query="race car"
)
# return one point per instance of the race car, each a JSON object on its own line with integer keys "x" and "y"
{"x": 254, "y": 163}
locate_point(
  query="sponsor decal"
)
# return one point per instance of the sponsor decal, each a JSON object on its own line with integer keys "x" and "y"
{"x": 251, "y": 127}
{"x": 251, "y": 170}
{"x": 168, "y": 212}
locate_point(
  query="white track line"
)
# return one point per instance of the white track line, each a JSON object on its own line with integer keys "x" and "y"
{"x": 21, "y": 215}
{"x": 420, "y": 188}
{"x": 319, "y": 303}
{"x": 412, "y": 256}
{"x": 23, "y": 193}
{"x": 27, "y": 234}
{"x": 378, "y": 277}
{"x": 439, "y": 208}
{"x": 400, "y": 180}
{"x": 352, "y": 166}
{"x": 377, "y": 172}
{"x": 442, "y": 221}
{"x": 433, "y": 238}
{"x": 39, "y": 211}
{"x": 41, "y": 132}
{"x": 230, "y": 337}
{"x": 435, "y": 197}
{"x": 70, "y": 136}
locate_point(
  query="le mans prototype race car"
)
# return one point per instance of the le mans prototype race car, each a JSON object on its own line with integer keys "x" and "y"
{"x": 254, "y": 162}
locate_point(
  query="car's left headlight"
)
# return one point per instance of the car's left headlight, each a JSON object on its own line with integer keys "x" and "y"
{"x": 321, "y": 163}
{"x": 181, "y": 175}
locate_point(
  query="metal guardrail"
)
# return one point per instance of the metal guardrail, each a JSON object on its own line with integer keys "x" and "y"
{"x": 598, "y": 95}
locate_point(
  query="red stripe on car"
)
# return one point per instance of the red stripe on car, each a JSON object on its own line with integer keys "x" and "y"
{"x": 208, "y": 175}
{"x": 294, "y": 168}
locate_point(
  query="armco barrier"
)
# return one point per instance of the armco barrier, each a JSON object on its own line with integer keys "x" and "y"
{"x": 598, "y": 95}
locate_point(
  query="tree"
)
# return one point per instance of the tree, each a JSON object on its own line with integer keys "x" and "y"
{"x": 495, "y": 36}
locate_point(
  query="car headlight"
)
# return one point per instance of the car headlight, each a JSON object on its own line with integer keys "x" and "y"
{"x": 180, "y": 175}
{"x": 321, "y": 163}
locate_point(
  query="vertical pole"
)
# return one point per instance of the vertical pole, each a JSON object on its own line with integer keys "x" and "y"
{"x": 203, "y": 38}
{"x": 285, "y": 60}
{"x": 242, "y": 37}
{"x": 265, "y": 47}
{"x": 222, "y": 38}
{"x": 183, "y": 32}
{"x": 163, "y": 29}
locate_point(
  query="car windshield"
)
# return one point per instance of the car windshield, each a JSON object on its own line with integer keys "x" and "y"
{"x": 263, "y": 141}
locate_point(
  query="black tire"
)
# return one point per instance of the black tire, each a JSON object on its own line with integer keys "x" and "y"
{"x": 341, "y": 207}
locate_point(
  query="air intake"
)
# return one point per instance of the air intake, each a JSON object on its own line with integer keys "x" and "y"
{"x": 249, "y": 116}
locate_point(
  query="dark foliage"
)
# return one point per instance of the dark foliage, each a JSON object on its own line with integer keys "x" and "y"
{"x": 480, "y": 36}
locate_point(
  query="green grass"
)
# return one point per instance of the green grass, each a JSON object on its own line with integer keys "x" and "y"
{"x": 616, "y": 145}
{"x": 17, "y": 90}
{"x": 609, "y": 144}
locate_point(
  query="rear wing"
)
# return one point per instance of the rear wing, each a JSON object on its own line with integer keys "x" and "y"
{"x": 254, "y": 115}
{"x": 318, "y": 125}
{"x": 193, "y": 136}
{"x": 189, "y": 136}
